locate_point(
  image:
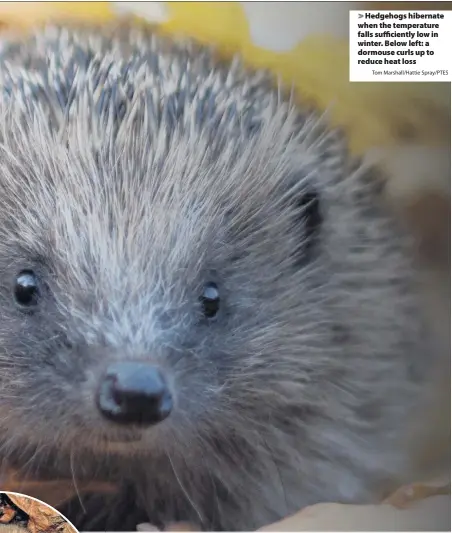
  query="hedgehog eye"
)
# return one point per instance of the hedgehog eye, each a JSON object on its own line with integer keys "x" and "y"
{"x": 26, "y": 290}
{"x": 210, "y": 300}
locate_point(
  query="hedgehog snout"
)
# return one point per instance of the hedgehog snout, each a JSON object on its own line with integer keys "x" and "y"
{"x": 134, "y": 393}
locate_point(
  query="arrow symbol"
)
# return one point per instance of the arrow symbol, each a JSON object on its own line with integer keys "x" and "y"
{"x": 360, "y": 16}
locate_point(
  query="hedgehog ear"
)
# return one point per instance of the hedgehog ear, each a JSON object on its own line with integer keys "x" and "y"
{"x": 325, "y": 170}
{"x": 308, "y": 205}
{"x": 309, "y": 221}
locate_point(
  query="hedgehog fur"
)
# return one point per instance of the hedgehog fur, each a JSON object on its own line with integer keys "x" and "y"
{"x": 135, "y": 169}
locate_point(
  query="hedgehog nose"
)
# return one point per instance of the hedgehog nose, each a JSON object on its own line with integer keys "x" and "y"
{"x": 134, "y": 393}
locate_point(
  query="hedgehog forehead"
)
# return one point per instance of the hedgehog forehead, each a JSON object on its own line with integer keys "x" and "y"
{"x": 183, "y": 215}
{"x": 119, "y": 234}
{"x": 133, "y": 188}
{"x": 126, "y": 212}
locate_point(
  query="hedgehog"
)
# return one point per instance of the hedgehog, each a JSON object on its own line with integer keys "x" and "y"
{"x": 203, "y": 297}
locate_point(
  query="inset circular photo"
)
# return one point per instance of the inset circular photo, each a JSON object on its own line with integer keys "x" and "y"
{"x": 20, "y": 513}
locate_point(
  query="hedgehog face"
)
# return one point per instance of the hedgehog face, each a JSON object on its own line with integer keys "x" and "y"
{"x": 137, "y": 297}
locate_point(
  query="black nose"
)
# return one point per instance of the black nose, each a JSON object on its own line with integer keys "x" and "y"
{"x": 134, "y": 393}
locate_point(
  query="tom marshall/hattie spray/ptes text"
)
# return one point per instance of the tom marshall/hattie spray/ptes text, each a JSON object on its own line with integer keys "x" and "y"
{"x": 410, "y": 72}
